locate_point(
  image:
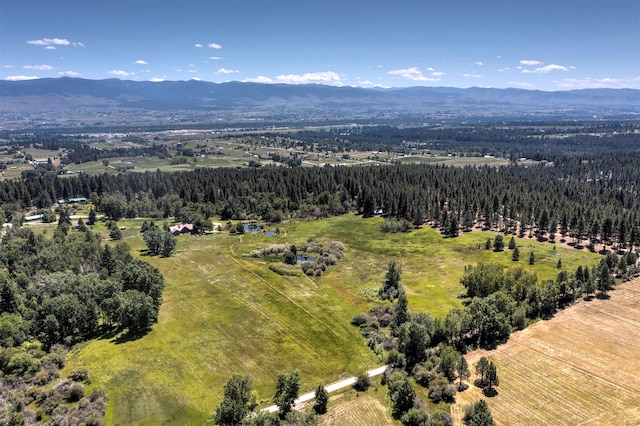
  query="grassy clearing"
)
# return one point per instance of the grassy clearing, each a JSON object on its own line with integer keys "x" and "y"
{"x": 225, "y": 313}
{"x": 582, "y": 367}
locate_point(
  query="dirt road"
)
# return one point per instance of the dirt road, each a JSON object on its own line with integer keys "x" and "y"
{"x": 329, "y": 388}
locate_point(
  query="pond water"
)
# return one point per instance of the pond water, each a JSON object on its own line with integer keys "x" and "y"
{"x": 305, "y": 259}
{"x": 270, "y": 234}
{"x": 251, "y": 228}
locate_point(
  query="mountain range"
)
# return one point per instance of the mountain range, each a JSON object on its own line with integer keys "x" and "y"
{"x": 68, "y": 94}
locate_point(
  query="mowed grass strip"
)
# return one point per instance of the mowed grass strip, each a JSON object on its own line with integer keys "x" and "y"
{"x": 224, "y": 313}
{"x": 580, "y": 367}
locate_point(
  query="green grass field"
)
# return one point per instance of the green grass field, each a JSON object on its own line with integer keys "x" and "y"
{"x": 226, "y": 313}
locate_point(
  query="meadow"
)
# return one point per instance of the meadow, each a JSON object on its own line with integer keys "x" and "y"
{"x": 224, "y": 312}
{"x": 581, "y": 366}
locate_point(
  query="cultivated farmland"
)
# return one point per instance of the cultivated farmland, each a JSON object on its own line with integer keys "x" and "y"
{"x": 580, "y": 367}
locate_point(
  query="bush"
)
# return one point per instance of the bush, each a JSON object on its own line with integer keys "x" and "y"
{"x": 286, "y": 270}
{"x": 441, "y": 390}
{"x": 79, "y": 374}
{"x": 289, "y": 258}
{"x": 75, "y": 392}
{"x": 415, "y": 417}
{"x": 360, "y": 319}
{"x": 362, "y": 382}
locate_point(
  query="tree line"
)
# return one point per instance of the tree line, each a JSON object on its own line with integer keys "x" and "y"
{"x": 592, "y": 200}
{"x": 498, "y": 300}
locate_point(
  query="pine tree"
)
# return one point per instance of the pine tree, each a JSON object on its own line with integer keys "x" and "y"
{"x": 515, "y": 255}
{"x": 322, "y": 398}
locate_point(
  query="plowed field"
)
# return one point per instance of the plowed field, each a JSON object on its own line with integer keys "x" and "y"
{"x": 580, "y": 368}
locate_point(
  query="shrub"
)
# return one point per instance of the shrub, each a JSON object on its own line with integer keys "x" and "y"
{"x": 79, "y": 374}
{"x": 362, "y": 382}
{"x": 360, "y": 319}
{"x": 75, "y": 392}
{"x": 286, "y": 270}
{"x": 289, "y": 258}
{"x": 441, "y": 390}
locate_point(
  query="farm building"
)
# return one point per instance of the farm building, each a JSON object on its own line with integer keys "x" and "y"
{"x": 72, "y": 200}
{"x": 181, "y": 229}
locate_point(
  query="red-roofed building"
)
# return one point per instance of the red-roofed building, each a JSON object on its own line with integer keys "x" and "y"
{"x": 181, "y": 229}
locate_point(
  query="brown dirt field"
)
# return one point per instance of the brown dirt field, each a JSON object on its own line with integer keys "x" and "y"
{"x": 344, "y": 410}
{"x": 580, "y": 368}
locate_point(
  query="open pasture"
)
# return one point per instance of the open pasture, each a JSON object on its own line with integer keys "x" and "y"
{"x": 224, "y": 313}
{"x": 580, "y": 367}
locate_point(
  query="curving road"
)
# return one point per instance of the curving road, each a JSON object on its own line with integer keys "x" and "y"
{"x": 329, "y": 388}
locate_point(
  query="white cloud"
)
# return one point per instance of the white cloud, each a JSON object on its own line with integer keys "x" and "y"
{"x": 195, "y": 79}
{"x": 530, "y": 63}
{"x": 215, "y": 58}
{"x": 313, "y": 77}
{"x": 430, "y": 69}
{"x": 521, "y": 84}
{"x": 226, "y": 71}
{"x": 504, "y": 69}
{"x": 21, "y": 77}
{"x": 120, "y": 73}
{"x": 477, "y": 63}
{"x": 156, "y": 80}
{"x": 472, "y": 75}
{"x": 51, "y": 43}
{"x": 598, "y": 83}
{"x": 367, "y": 83}
{"x": 412, "y": 74}
{"x": 197, "y": 45}
{"x": 38, "y": 67}
{"x": 437, "y": 73}
{"x": 69, "y": 73}
{"x": 546, "y": 69}
{"x": 7, "y": 66}
{"x": 193, "y": 71}
{"x": 258, "y": 79}
{"x": 214, "y": 46}
{"x": 141, "y": 62}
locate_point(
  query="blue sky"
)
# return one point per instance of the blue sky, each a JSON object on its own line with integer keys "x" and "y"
{"x": 545, "y": 45}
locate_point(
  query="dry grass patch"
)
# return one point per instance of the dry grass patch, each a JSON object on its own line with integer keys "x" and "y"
{"x": 581, "y": 367}
{"x": 345, "y": 410}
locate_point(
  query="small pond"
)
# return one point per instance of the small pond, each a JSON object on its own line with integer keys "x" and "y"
{"x": 250, "y": 227}
{"x": 270, "y": 234}
{"x": 305, "y": 259}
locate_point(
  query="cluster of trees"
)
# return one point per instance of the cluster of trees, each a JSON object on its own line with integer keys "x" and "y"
{"x": 589, "y": 200}
{"x": 316, "y": 256}
{"x": 239, "y": 403}
{"x": 55, "y": 291}
{"x": 487, "y": 375}
{"x": 68, "y": 288}
{"x": 499, "y": 301}
{"x": 158, "y": 241}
